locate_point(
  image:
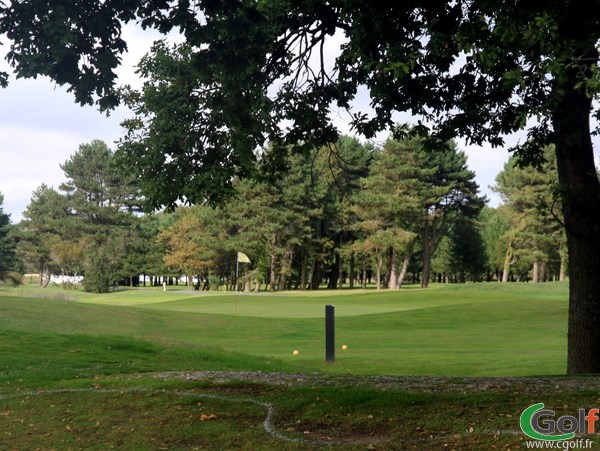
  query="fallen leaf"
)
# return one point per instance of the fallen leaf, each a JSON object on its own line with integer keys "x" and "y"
{"x": 68, "y": 428}
{"x": 205, "y": 417}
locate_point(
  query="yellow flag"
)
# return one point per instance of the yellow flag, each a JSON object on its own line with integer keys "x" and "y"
{"x": 243, "y": 258}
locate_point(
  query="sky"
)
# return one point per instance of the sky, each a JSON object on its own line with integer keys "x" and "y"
{"x": 41, "y": 126}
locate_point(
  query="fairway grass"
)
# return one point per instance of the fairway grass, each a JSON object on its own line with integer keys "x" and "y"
{"x": 87, "y": 371}
{"x": 456, "y": 330}
{"x": 468, "y": 330}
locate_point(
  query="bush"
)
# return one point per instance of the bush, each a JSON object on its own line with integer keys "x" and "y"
{"x": 67, "y": 285}
{"x": 214, "y": 283}
{"x": 13, "y": 278}
{"x": 102, "y": 268}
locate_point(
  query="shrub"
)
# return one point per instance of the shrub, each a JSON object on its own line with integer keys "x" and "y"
{"x": 13, "y": 278}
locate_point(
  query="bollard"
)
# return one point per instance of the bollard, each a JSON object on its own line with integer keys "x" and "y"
{"x": 329, "y": 333}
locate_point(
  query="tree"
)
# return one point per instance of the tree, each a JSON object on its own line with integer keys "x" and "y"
{"x": 330, "y": 183}
{"x": 530, "y": 194}
{"x": 7, "y": 243}
{"x": 494, "y": 226}
{"x": 295, "y": 226}
{"x": 185, "y": 242}
{"x": 60, "y": 230}
{"x": 474, "y": 68}
{"x": 102, "y": 265}
{"x": 153, "y": 251}
{"x": 101, "y": 191}
{"x": 101, "y": 196}
{"x": 418, "y": 193}
{"x": 451, "y": 194}
{"x": 467, "y": 250}
{"x": 143, "y": 253}
{"x": 46, "y": 224}
{"x": 275, "y": 222}
{"x": 389, "y": 205}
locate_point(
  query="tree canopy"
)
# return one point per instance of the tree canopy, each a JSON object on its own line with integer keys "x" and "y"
{"x": 88, "y": 226}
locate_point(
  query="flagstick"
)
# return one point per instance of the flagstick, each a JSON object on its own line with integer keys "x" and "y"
{"x": 237, "y": 269}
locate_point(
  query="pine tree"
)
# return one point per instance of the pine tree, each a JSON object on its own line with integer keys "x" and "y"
{"x": 7, "y": 243}
{"x": 531, "y": 195}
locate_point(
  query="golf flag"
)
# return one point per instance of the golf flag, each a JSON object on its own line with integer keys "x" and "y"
{"x": 242, "y": 258}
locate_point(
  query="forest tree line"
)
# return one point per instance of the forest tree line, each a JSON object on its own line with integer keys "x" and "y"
{"x": 345, "y": 215}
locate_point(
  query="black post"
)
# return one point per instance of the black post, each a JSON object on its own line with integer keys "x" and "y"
{"x": 329, "y": 333}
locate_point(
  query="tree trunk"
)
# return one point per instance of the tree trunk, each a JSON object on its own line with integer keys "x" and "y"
{"x": 562, "y": 275}
{"x": 273, "y": 272}
{"x": 404, "y": 269}
{"x": 317, "y": 275}
{"x": 393, "y": 282}
{"x": 426, "y": 267}
{"x": 507, "y": 263}
{"x": 341, "y": 273}
{"x": 543, "y": 272}
{"x": 286, "y": 267}
{"x": 335, "y": 271}
{"x": 535, "y": 277}
{"x": 379, "y": 265}
{"x": 45, "y": 283}
{"x": 352, "y": 271}
{"x": 303, "y": 270}
{"x": 427, "y": 242}
{"x": 580, "y": 189}
{"x": 364, "y": 273}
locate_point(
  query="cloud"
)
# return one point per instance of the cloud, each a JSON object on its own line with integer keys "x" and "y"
{"x": 31, "y": 159}
{"x": 41, "y": 127}
{"x": 487, "y": 162}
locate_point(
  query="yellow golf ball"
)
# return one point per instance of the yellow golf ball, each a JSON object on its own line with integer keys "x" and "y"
{"x": 296, "y": 352}
{"x": 344, "y": 347}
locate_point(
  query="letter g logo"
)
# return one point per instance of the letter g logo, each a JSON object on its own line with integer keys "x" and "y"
{"x": 531, "y": 427}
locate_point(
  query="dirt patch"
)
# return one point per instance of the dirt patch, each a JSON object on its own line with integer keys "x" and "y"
{"x": 527, "y": 385}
